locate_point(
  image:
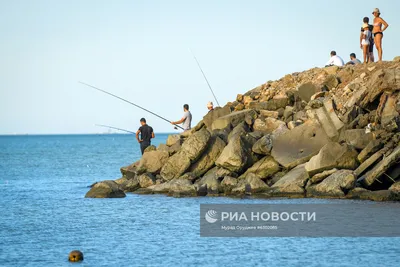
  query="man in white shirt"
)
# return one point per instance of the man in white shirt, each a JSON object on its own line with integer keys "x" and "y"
{"x": 335, "y": 60}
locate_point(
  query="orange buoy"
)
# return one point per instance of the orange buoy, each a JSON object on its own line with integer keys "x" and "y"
{"x": 75, "y": 256}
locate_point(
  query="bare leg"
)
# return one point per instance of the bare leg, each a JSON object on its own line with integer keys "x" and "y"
{"x": 365, "y": 52}
{"x": 378, "y": 43}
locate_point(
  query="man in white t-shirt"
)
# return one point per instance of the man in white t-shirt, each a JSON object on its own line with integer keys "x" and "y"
{"x": 335, "y": 60}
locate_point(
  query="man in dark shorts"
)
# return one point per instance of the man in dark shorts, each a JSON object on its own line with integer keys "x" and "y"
{"x": 146, "y": 133}
{"x": 371, "y": 41}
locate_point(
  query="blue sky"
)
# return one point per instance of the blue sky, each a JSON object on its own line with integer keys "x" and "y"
{"x": 139, "y": 51}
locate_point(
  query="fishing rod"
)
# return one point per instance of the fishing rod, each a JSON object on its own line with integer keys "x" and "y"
{"x": 111, "y": 127}
{"x": 209, "y": 86}
{"x": 129, "y": 102}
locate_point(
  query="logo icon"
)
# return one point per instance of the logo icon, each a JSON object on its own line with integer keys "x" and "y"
{"x": 211, "y": 216}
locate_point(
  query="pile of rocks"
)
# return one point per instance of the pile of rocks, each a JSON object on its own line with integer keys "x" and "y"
{"x": 326, "y": 133}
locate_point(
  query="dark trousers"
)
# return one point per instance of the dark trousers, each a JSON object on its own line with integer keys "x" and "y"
{"x": 144, "y": 145}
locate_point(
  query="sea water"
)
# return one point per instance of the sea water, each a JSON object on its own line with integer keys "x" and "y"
{"x": 44, "y": 216}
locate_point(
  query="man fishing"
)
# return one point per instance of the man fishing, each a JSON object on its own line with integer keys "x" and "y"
{"x": 146, "y": 133}
{"x": 186, "y": 119}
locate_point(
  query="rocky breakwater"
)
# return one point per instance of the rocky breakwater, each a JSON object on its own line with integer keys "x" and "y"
{"x": 326, "y": 133}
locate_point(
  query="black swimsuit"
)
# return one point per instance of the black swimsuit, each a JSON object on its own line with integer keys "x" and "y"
{"x": 375, "y": 33}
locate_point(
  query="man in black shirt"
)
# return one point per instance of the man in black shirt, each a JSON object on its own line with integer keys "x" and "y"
{"x": 146, "y": 133}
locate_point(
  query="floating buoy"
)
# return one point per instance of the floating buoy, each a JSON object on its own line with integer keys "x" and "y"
{"x": 75, "y": 256}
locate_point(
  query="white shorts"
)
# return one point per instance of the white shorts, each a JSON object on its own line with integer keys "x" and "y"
{"x": 364, "y": 42}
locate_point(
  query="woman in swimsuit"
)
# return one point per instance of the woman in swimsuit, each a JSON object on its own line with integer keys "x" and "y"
{"x": 378, "y": 31}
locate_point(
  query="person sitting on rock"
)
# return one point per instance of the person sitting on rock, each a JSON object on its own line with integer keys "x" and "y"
{"x": 353, "y": 60}
{"x": 335, "y": 60}
{"x": 210, "y": 106}
{"x": 186, "y": 119}
{"x": 365, "y": 41}
{"x": 146, "y": 133}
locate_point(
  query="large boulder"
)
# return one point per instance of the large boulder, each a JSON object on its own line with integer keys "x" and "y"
{"x": 211, "y": 182}
{"x": 178, "y": 187}
{"x": 232, "y": 119}
{"x": 306, "y": 91}
{"x": 209, "y": 156}
{"x": 334, "y": 186}
{"x": 130, "y": 171}
{"x": 381, "y": 80}
{"x": 364, "y": 194}
{"x": 332, "y": 155}
{"x": 290, "y": 185}
{"x": 175, "y": 166}
{"x": 241, "y": 129}
{"x": 251, "y": 182}
{"x": 146, "y": 180}
{"x": 152, "y": 162}
{"x": 228, "y": 184}
{"x": 264, "y": 168}
{"x": 358, "y": 138}
{"x": 372, "y": 147}
{"x": 105, "y": 189}
{"x": 298, "y": 145}
{"x": 263, "y": 146}
{"x": 327, "y": 117}
{"x": 173, "y": 138}
{"x": 273, "y": 104}
{"x": 370, "y": 177}
{"x": 387, "y": 108}
{"x": 267, "y": 125}
{"x": 218, "y": 112}
{"x": 196, "y": 144}
{"x": 237, "y": 155}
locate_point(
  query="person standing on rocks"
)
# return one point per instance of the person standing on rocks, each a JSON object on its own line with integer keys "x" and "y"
{"x": 210, "y": 106}
{"x": 365, "y": 42}
{"x": 378, "y": 31}
{"x": 335, "y": 60}
{"x": 146, "y": 133}
{"x": 371, "y": 39}
{"x": 186, "y": 119}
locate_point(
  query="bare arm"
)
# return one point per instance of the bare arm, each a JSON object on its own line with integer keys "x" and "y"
{"x": 178, "y": 122}
{"x": 385, "y": 24}
{"x": 153, "y": 135}
{"x": 137, "y": 136}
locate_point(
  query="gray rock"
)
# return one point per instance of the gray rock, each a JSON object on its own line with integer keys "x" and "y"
{"x": 237, "y": 155}
{"x": 241, "y": 129}
{"x": 172, "y": 139}
{"x": 211, "y": 182}
{"x": 267, "y": 125}
{"x": 264, "y": 168}
{"x": 196, "y": 144}
{"x": 227, "y": 184}
{"x": 218, "y": 112}
{"x": 370, "y": 177}
{"x": 288, "y": 113}
{"x": 130, "y": 171}
{"x": 131, "y": 185}
{"x": 146, "y": 180}
{"x": 332, "y": 155}
{"x": 334, "y": 186}
{"x": 152, "y": 162}
{"x": 209, "y": 156}
{"x": 273, "y": 104}
{"x": 263, "y": 146}
{"x": 232, "y": 119}
{"x": 175, "y": 166}
{"x": 298, "y": 145}
{"x": 105, "y": 189}
{"x": 290, "y": 185}
{"x": 252, "y": 183}
{"x": 358, "y": 138}
{"x": 372, "y": 147}
{"x": 321, "y": 176}
{"x": 328, "y": 119}
{"x": 369, "y": 162}
{"x": 364, "y": 194}
{"x": 331, "y": 82}
{"x": 306, "y": 91}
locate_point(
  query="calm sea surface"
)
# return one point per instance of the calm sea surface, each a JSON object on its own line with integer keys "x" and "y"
{"x": 44, "y": 215}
